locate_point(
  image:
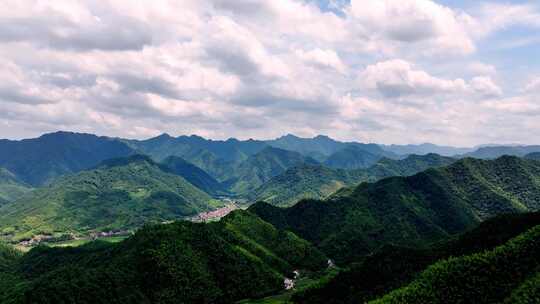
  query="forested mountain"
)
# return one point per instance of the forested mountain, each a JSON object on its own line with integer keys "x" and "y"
{"x": 216, "y": 157}
{"x": 534, "y": 155}
{"x": 264, "y": 165}
{"x": 119, "y": 194}
{"x": 11, "y": 188}
{"x": 426, "y": 148}
{"x": 193, "y": 174}
{"x": 220, "y": 158}
{"x": 303, "y": 182}
{"x": 239, "y": 257}
{"x": 428, "y": 206}
{"x": 39, "y": 160}
{"x": 351, "y": 157}
{"x": 507, "y": 274}
{"x": 317, "y": 182}
{"x": 393, "y": 267}
{"x": 410, "y": 165}
{"x": 492, "y": 152}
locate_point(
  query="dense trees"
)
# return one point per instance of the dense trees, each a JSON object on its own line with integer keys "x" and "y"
{"x": 183, "y": 262}
{"x": 411, "y": 211}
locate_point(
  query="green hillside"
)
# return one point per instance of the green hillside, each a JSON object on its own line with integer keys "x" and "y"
{"x": 38, "y": 161}
{"x": 11, "y": 188}
{"x": 318, "y": 182}
{"x": 183, "y": 262}
{"x": 506, "y": 274}
{"x": 410, "y": 211}
{"x": 410, "y": 165}
{"x": 351, "y": 157}
{"x": 302, "y": 182}
{"x": 392, "y": 267}
{"x": 264, "y": 165}
{"x": 120, "y": 194}
{"x": 193, "y": 174}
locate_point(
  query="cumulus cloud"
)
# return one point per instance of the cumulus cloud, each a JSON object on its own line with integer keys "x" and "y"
{"x": 485, "y": 86}
{"x": 533, "y": 86}
{"x": 252, "y": 68}
{"x": 395, "y": 78}
{"x": 322, "y": 58}
{"x": 440, "y": 27}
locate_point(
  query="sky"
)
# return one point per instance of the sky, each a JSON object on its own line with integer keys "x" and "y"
{"x": 451, "y": 72}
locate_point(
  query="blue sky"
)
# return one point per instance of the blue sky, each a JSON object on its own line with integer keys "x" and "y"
{"x": 409, "y": 71}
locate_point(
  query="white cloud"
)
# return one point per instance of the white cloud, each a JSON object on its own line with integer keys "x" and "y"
{"x": 533, "y": 86}
{"x": 322, "y": 58}
{"x": 251, "y": 68}
{"x": 485, "y": 86}
{"x": 440, "y": 28}
{"x": 480, "y": 68}
{"x": 396, "y": 78}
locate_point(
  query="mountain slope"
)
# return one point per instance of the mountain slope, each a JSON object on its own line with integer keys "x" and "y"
{"x": 426, "y": 148}
{"x": 39, "y": 160}
{"x": 120, "y": 194}
{"x": 318, "y": 182}
{"x": 488, "y": 277}
{"x": 411, "y": 211}
{"x": 410, "y": 165}
{"x": 302, "y": 182}
{"x": 216, "y": 157}
{"x": 534, "y": 156}
{"x": 264, "y": 165}
{"x": 492, "y": 152}
{"x": 351, "y": 157}
{"x": 193, "y": 174}
{"x": 393, "y": 267}
{"x": 239, "y": 257}
{"x": 11, "y": 188}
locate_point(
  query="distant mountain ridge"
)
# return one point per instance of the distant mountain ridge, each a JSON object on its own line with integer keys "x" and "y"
{"x": 318, "y": 182}
{"x": 427, "y": 148}
{"x": 492, "y": 152}
{"x": 40, "y": 160}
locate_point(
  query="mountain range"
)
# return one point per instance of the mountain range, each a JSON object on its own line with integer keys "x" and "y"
{"x": 414, "y": 210}
{"x": 334, "y": 222}
{"x": 39, "y": 160}
{"x": 318, "y": 182}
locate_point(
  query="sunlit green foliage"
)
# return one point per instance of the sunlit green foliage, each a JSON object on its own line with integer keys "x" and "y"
{"x": 182, "y": 262}
{"x": 411, "y": 211}
{"x": 118, "y": 195}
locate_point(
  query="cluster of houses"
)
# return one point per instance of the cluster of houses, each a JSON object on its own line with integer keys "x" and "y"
{"x": 215, "y": 214}
{"x": 289, "y": 283}
{"x": 41, "y": 238}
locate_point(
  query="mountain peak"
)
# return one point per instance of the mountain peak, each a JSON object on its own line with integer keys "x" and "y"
{"x": 323, "y": 137}
{"x": 163, "y": 136}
